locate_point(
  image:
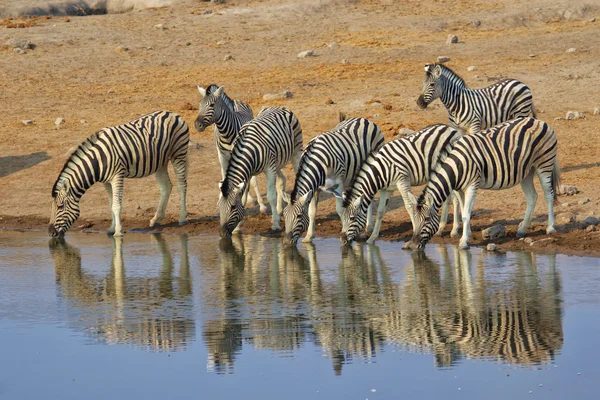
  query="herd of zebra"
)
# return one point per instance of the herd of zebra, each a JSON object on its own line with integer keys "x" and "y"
{"x": 494, "y": 141}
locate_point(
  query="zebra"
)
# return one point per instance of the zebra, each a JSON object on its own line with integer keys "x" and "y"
{"x": 400, "y": 164}
{"x": 265, "y": 144}
{"x": 499, "y": 158}
{"x": 330, "y": 161}
{"x": 136, "y": 149}
{"x": 473, "y": 110}
{"x": 228, "y": 116}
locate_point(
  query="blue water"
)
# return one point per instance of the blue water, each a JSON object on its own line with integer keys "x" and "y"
{"x": 169, "y": 316}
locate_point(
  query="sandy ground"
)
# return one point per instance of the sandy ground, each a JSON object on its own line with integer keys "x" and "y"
{"x": 102, "y": 70}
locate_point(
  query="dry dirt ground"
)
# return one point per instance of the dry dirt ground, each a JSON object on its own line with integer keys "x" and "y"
{"x": 102, "y": 70}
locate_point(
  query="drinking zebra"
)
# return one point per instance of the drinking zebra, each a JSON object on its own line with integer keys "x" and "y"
{"x": 136, "y": 149}
{"x": 399, "y": 164}
{"x": 265, "y": 144}
{"x": 228, "y": 116}
{"x": 330, "y": 161}
{"x": 499, "y": 158}
{"x": 472, "y": 110}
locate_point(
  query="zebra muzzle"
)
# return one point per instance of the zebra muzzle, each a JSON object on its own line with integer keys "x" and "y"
{"x": 421, "y": 102}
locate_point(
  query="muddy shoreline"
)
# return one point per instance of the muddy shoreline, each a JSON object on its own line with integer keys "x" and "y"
{"x": 572, "y": 240}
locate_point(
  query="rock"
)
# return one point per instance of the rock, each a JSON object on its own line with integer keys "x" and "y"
{"x": 558, "y": 118}
{"x": 476, "y": 23}
{"x": 404, "y": 132}
{"x": 228, "y": 57}
{"x": 571, "y": 50}
{"x": 188, "y": 106}
{"x": 194, "y": 146}
{"x": 23, "y": 44}
{"x": 83, "y": 122}
{"x": 443, "y": 59}
{"x": 59, "y": 121}
{"x": 221, "y": 42}
{"x": 19, "y": 50}
{"x": 532, "y": 56}
{"x": 160, "y": 26}
{"x": 573, "y": 115}
{"x": 591, "y": 228}
{"x": 592, "y": 19}
{"x": 452, "y": 39}
{"x": 329, "y": 101}
{"x": 207, "y": 12}
{"x": 494, "y": 232}
{"x": 333, "y": 45}
{"x": 491, "y": 247}
{"x": 596, "y": 111}
{"x": 273, "y": 96}
{"x": 27, "y": 122}
{"x": 590, "y": 221}
{"x": 110, "y": 91}
{"x": 584, "y": 201}
{"x": 565, "y": 218}
{"x": 122, "y": 48}
{"x": 528, "y": 241}
{"x": 344, "y": 61}
{"x": 567, "y": 190}
{"x": 306, "y": 53}
{"x": 472, "y": 68}
{"x": 188, "y": 43}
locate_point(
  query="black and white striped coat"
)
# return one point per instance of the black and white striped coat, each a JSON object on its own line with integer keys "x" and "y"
{"x": 473, "y": 110}
{"x": 331, "y": 160}
{"x": 139, "y": 148}
{"x": 228, "y": 116}
{"x": 499, "y": 158}
{"x": 265, "y": 144}
{"x": 399, "y": 164}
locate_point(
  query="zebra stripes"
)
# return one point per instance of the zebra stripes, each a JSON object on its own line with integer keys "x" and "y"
{"x": 472, "y": 110}
{"x": 400, "y": 164}
{"x": 228, "y": 116}
{"x": 499, "y": 158}
{"x": 331, "y": 159}
{"x": 265, "y": 144}
{"x": 135, "y": 149}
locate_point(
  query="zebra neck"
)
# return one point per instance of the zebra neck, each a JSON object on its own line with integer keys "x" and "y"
{"x": 226, "y": 121}
{"x": 454, "y": 88}
{"x": 369, "y": 180}
{"x": 78, "y": 184}
{"x": 438, "y": 189}
{"x": 308, "y": 182}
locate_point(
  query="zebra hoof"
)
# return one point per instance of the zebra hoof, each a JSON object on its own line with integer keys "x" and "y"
{"x": 454, "y": 234}
{"x": 184, "y": 222}
{"x": 118, "y": 234}
{"x": 370, "y": 240}
{"x": 263, "y": 210}
{"x": 307, "y": 240}
{"x": 550, "y": 230}
{"x": 463, "y": 246}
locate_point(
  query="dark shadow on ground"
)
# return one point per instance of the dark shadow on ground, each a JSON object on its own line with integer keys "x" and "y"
{"x": 11, "y": 164}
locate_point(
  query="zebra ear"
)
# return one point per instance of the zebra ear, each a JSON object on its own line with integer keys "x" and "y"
{"x": 219, "y": 91}
{"x": 201, "y": 90}
{"x": 437, "y": 71}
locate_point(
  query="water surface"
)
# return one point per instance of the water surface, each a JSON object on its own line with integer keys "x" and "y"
{"x": 166, "y": 316}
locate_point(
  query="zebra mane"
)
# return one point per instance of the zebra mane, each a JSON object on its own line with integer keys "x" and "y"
{"x": 301, "y": 164}
{"x": 347, "y": 194}
{"x": 83, "y": 147}
{"x": 448, "y": 73}
{"x": 211, "y": 89}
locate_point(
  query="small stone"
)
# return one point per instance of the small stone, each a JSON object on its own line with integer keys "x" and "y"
{"x": 584, "y": 201}
{"x": 19, "y": 50}
{"x": 194, "y": 146}
{"x": 207, "y": 12}
{"x": 333, "y": 45}
{"x": 476, "y": 23}
{"x": 590, "y": 221}
{"x": 344, "y": 61}
{"x": 567, "y": 190}
{"x": 565, "y": 218}
{"x": 596, "y": 111}
{"x": 27, "y": 122}
{"x": 110, "y": 91}
{"x": 494, "y": 232}
{"x": 573, "y": 115}
{"x": 23, "y": 44}
{"x": 160, "y": 26}
{"x": 83, "y": 122}
{"x": 443, "y": 59}
{"x": 472, "y": 68}
{"x": 59, "y": 121}
{"x": 590, "y": 228}
{"x": 221, "y": 42}
{"x": 404, "y": 132}
{"x": 273, "y": 96}
{"x": 558, "y": 118}
{"x": 491, "y": 247}
{"x": 67, "y": 19}
{"x": 329, "y": 101}
{"x": 228, "y": 57}
{"x": 122, "y": 48}
{"x": 188, "y": 106}
{"x": 306, "y": 53}
{"x": 571, "y": 50}
{"x": 532, "y": 56}
{"x": 452, "y": 39}
{"x": 528, "y": 241}
{"x": 592, "y": 19}
{"x": 188, "y": 43}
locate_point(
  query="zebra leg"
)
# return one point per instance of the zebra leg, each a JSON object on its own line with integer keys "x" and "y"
{"x": 109, "y": 190}
{"x": 531, "y": 196}
{"x": 456, "y": 215}
{"x": 180, "y": 167}
{"x": 259, "y": 199}
{"x": 408, "y": 198}
{"x": 117, "y": 190}
{"x": 272, "y": 198}
{"x": 165, "y": 186}
{"x": 281, "y": 195}
{"x": 469, "y": 200}
{"x": 549, "y": 195}
{"x": 312, "y": 215}
{"x": 384, "y": 197}
{"x": 369, "y": 224}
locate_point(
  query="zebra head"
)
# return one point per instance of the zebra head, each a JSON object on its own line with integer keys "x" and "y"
{"x": 296, "y": 218}
{"x": 231, "y": 209}
{"x": 206, "y": 113}
{"x": 354, "y": 219}
{"x": 427, "y": 222}
{"x": 431, "y": 87}
{"x": 65, "y": 209}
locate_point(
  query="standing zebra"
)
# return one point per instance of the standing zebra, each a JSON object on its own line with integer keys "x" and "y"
{"x": 136, "y": 149}
{"x": 499, "y": 158}
{"x": 265, "y": 144}
{"x": 400, "y": 164}
{"x": 472, "y": 110}
{"x": 332, "y": 158}
{"x": 228, "y": 116}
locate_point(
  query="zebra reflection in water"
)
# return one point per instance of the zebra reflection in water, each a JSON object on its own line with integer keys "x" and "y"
{"x": 278, "y": 298}
{"x": 121, "y": 309}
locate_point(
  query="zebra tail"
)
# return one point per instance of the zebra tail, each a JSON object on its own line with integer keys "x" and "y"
{"x": 342, "y": 116}
{"x": 556, "y": 179}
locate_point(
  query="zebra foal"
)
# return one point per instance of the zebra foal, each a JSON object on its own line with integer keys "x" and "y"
{"x": 499, "y": 158}
{"x": 472, "y": 110}
{"x": 330, "y": 160}
{"x": 399, "y": 164}
{"x": 265, "y": 144}
{"x": 136, "y": 149}
{"x": 228, "y": 116}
